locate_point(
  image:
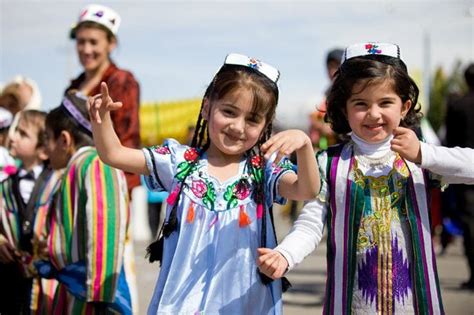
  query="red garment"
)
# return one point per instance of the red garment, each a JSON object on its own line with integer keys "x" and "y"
{"x": 124, "y": 88}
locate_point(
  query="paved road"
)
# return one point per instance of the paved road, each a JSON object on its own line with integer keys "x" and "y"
{"x": 308, "y": 280}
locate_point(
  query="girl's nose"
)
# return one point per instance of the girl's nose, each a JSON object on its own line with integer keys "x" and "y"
{"x": 86, "y": 48}
{"x": 238, "y": 125}
{"x": 373, "y": 112}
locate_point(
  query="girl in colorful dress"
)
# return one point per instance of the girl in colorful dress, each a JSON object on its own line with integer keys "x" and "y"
{"x": 89, "y": 241}
{"x": 221, "y": 191}
{"x": 373, "y": 200}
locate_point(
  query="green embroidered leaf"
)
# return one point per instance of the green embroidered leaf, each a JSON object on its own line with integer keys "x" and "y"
{"x": 208, "y": 203}
{"x": 211, "y": 192}
{"x": 229, "y": 192}
{"x": 183, "y": 169}
{"x": 257, "y": 175}
{"x": 232, "y": 203}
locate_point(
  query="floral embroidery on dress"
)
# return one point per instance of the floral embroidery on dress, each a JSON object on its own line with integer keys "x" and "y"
{"x": 186, "y": 167}
{"x": 257, "y": 168}
{"x": 204, "y": 190}
{"x": 285, "y": 165}
{"x": 239, "y": 190}
{"x": 162, "y": 149}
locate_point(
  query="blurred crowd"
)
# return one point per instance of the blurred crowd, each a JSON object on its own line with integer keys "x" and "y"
{"x": 25, "y": 157}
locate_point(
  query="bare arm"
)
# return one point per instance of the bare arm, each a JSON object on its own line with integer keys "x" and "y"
{"x": 108, "y": 145}
{"x": 306, "y": 184}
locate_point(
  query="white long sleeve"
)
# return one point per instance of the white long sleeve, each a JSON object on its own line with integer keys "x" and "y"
{"x": 305, "y": 234}
{"x": 455, "y": 165}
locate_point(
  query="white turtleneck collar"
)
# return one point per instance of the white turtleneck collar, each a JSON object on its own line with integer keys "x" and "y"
{"x": 372, "y": 150}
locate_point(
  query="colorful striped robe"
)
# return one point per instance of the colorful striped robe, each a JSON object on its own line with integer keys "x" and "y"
{"x": 42, "y": 289}
{"x": 90, "y": 230}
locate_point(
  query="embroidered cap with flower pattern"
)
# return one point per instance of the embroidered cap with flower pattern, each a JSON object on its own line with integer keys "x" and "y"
{"x": 371, "y": 48}
{"x": 241, "y": 60}
{"x": 99, "y": 14}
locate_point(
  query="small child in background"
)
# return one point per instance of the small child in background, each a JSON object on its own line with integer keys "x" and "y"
{"x": 90, "y": 242}
{"x": 221, "y": 190}
{"x": 373, "y": 199}
{"x": 23, "y": 211}
{"x": 7, "y": 162}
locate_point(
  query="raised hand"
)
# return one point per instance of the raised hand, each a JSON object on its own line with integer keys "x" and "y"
{"x": 100, "y": 104}
{"x": 285, "y": 143}
{"x": 271, "y": 263}
{"x": 406, "y": 143}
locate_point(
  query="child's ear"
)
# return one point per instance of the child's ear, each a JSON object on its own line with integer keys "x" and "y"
{"x": 42, "y": 153}
{"x": 112, "y": 45}
{"x": 405, "y": 108}
{"x": 205, "y": 109}
{"x": 66, "y": 141}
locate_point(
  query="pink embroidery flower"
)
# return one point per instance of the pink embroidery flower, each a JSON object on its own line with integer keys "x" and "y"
{"x": 241, "y": 191}
{"x": 199, "y": 188}
{"x": 277, "y": 169}
{"x": 191, "y": 155}
{"x": 162, "y": 150}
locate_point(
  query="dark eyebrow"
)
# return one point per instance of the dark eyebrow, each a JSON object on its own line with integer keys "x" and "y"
{"x": 388, "y": 98}
{"x": 356, "y": 99}
{"x": 231, "y": 105}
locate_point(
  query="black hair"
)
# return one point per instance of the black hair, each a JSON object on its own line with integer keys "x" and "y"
{"x": 335, "y": 55}
{"x": 469, "y": 76}
{"x": 59, "y": 119}
{"x": 368, "y": 71}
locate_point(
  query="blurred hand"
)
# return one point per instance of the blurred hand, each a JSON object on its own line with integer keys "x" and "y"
{"x": 271, "y": 263}
{"x": 7, "y": 252}
{"x": 406, "y": 143}
{"x": 285, "y": 143}
{"x": 40, "y": 248}
{"x": 100, "y": 104}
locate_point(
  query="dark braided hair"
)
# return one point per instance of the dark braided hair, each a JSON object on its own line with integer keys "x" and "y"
{"x": 229, "y": 79}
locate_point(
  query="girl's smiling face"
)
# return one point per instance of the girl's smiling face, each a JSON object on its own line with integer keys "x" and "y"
{"x": 233, "y": 126}
{"x": 374, "y": 110}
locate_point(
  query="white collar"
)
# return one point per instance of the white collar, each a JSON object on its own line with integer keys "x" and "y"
{"x": 37, "y": 169}
{"x": 372, "y": 150}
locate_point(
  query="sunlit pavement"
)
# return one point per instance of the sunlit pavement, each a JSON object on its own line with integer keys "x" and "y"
{"x": 308, "y": 279}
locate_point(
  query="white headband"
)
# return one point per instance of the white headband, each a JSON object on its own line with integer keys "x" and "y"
{"x": 241, "y": 60}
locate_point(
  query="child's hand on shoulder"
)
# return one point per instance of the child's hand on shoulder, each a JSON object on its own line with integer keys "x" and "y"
{"x": 271, "y": 263}
{"x": 406, "y": 143}
{"x": 100, "y": 104}
{"x": 285, "y": 143}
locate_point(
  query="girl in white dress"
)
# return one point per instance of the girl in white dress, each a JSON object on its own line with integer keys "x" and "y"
{"x": 221, "y": 191}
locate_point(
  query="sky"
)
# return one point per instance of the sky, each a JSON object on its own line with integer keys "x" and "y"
{"x": 175, "y": 47}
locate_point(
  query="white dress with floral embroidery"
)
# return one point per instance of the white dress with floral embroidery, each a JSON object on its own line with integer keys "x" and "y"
{"x": 209, "y": 263}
